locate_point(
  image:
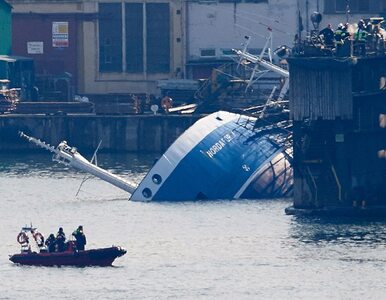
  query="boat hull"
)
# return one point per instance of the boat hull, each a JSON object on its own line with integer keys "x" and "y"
{"x": 94, "y": 257}
{"x": 222, "y": 156}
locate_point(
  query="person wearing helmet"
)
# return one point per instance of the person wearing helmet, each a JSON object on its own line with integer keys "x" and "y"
{"x": 341, "y": 37}
{"x": 360, "y": 38}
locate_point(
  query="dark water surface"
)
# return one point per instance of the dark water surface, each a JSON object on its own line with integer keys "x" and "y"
{"x": 190, "y": 250}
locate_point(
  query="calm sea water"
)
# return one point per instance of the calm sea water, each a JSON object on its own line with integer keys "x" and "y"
{"x": 192, "y": 250}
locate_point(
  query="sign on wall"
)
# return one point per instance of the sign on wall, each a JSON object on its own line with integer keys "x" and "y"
{"x": 35, "y": 48}
{"x": 60, "y": 34}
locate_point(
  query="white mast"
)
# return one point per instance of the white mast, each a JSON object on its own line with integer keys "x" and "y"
{"x": 69, "y": 156}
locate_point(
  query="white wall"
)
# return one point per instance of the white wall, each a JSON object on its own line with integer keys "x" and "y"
{"x": 224, "y": 25}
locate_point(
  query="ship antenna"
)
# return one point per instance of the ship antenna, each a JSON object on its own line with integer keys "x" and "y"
{"x": 347, "y": 10}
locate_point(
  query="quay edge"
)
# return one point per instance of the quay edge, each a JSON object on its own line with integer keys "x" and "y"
{"x": 119, "y": 133}
{"x": 378, "y": 211}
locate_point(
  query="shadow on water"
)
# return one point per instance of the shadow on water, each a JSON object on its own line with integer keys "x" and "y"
{"x": 342, "y": 230}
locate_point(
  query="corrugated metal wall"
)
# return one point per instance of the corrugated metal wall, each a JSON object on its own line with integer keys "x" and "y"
{"x": 310, "y": 99}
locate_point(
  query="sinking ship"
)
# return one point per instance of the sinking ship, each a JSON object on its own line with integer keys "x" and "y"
{"x": 222, "y": 156}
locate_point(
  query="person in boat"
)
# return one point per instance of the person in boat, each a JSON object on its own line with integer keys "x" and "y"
{"x": 80, "y": 238}
{"x": 50, "y": 243}
{"x": 60, "y": 240}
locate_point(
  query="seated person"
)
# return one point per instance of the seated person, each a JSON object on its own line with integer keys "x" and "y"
{"x": 50, "y": 243}
{"x": 60, "y": 241}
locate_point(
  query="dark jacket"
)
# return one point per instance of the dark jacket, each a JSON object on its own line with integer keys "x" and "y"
{"x": 80, "y": 239}
{"x": 50, "y": 243}
{"x": 60, "y": 241}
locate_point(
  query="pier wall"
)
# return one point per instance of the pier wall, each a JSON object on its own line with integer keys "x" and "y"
{"x": 337, "y": 105}
{"x": 134, "y": 133}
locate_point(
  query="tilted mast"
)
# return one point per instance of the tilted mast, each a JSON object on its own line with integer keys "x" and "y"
{"x": 69, "y": 156}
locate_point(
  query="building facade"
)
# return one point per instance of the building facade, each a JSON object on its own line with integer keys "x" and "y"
{"x": 214, "y": 27}
{"x": 127, "y": 46}
{"x": 5, "y": 28}
{"x": 103, "y": 47}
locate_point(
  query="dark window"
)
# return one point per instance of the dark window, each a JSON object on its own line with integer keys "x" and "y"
{"x": 158, "y": 37}
{"x": 110, "y": 37}
{"x": 227, "y": 52}
{"x": 363, "y": 5}
{"x": 329, "y": 6}
{"x": 355, "y": 6}
{"x": 383, "y": 5}
{"x": 341, "y": 5}
{"x": 256, "y": 1}
{"x": 208, "y": 52}
{"x": 134, "y": 37}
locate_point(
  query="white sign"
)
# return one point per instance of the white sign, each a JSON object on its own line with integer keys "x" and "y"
{"x": 35, "y": 47}
{"x": 60, "y": 34}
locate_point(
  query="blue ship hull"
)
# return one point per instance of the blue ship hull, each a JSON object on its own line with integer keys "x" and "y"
{"x": 222, "y": 156}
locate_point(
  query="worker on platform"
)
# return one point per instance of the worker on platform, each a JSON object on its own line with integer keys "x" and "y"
{"x": 341, "y": 36}
{"x": 80, "y": 238}
{"x": 166, "y": 103}
{"x": 60, "y": 240}
{"x": 360, "y": 38}
{"x": 328, "y": 36}
{"x": 50, "y": 243}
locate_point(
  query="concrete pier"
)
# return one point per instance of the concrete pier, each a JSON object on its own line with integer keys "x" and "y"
{"x": 336, "y": 106}
{"x": 129, "y": 133}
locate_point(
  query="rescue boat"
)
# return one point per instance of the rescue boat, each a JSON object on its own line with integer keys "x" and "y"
{"x": 94, "y": 257}
{"x": 70, "y": 257}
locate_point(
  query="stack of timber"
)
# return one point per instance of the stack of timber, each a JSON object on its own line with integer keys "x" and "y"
{"x": 117, "y": 104}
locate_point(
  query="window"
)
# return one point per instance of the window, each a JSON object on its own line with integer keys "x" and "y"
{"x": 341, "y": 5}
{"x": 227, "y": 52}
{"x": 255, "y": 51}
{"x": 145, "y": 30}
{"x": 134, "y": 37}
{"x": 110, "y": 37}
{"x": 247, "y": 1}
{"x": 363, "y": 6}
{"x": 158, "y": 37}
{"x": 208, "y": 52}
{"x": 383, "y": 5}
{"x": 355, "y": 6}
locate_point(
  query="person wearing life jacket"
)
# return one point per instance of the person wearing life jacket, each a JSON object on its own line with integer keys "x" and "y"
{"x": 60, "y": 240}
{"x": 50, "y": 243}
{"x": 80, "y": 238}
{"x": 341, "y": 36}
{"x": 360, "y": 38}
